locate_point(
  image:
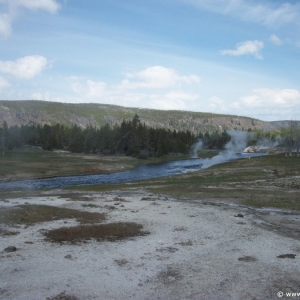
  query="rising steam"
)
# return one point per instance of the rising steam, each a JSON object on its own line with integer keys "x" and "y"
{"x": 237, "y": 144}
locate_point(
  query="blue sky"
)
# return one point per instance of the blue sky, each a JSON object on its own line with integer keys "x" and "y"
{"x": 237, "y": 57}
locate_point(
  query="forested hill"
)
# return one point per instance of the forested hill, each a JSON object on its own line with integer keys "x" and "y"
{"x": 43, "y": 112}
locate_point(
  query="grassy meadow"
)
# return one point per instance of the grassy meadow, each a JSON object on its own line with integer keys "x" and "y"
{"x": 33, "y": 162}
{"x": 268, "y": 181}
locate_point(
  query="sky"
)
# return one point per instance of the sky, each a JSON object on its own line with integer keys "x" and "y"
{"x": 238, "y": 57}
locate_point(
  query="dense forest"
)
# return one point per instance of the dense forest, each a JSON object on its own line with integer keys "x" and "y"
{"x": 131, "y": 138}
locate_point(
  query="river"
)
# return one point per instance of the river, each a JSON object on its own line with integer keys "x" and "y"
{"x": 140, "y": 173}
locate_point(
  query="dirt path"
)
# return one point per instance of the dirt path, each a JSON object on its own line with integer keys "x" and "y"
{"x": 193, "y": 251}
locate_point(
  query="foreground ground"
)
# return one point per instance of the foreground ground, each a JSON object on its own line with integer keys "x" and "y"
{"x": 190, "y": 250}
{"x": 231, "y": 231}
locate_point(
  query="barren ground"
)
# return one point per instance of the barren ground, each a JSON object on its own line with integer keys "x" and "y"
{"x": 194, "y": 250}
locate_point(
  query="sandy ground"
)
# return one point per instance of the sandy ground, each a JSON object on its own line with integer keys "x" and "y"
{"x": 193, "y": 251}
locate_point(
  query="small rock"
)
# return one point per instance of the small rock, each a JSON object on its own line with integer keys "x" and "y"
{"x": 239, "y": 216}
{"x": 68, "y": 256}
{"x": 10, "y": 249}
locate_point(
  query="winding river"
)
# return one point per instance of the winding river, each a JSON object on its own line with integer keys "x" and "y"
{"x": 140, "y": 173}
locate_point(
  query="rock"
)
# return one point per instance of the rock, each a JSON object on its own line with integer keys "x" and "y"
{"x": 287, "y": 256}
{"x": 10, "y": 249}
{"x": 68, "y": 256}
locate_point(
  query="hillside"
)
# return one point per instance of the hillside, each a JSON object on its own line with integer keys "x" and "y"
{"x": 43, "y": 112}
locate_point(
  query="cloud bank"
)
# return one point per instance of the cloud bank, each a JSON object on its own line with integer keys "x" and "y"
{"x": 263, "y": 103}
{"x": 154, "y": 87}
{"x": 263, "y": 98}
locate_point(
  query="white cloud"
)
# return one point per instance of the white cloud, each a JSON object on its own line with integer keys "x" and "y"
{"x": 4, "y": 83}
{"x": 157, "y": 77}
{"x": 246, "y": 48}
{"x": 269, "y": 13}
{"x": 13, "y": 8}
{"x": 275, "y": 40}
{"x": 24, "y": 68}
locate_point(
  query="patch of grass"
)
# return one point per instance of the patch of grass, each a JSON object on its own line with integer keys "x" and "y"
{"x": 5, "y": 232}
{"x": 31, "y": 214}
{"x": 103, "y": 232}
{"x": 7, "y": 195}
{"x": 276, "y": 202}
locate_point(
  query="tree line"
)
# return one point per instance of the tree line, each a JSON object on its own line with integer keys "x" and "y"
{"x": 131, "y": 138}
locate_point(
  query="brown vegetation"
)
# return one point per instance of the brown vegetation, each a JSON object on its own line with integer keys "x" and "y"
{"x": 104, "y": 232}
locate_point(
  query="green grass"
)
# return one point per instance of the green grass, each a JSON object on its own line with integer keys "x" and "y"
{"x": 32, "y": 214}
{"x": 103, "y": 232}
{"x": 31, "y": 163}
{"x": 23, "y": 194}
{"x": 246, "y": 181}
{"x": 35, "y": 163}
